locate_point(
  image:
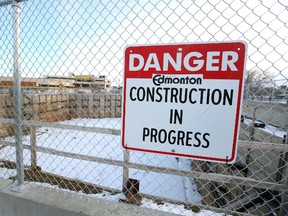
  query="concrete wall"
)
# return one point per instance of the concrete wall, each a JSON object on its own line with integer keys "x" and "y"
{"x": 60, "y": 107}
{"x": 38, "y": 200}
{"x": 48, "y": 108}
{"x": 97, "y": 105}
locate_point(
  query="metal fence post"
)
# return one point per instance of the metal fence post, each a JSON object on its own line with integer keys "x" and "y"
{"x": 125, "y": 171}
{"x": 17, "y": 100}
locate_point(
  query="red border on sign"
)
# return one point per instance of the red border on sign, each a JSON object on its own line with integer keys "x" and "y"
{"x": 238, "y": 46}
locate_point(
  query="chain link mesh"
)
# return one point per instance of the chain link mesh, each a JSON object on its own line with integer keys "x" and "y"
{"x": 71, "y": 77}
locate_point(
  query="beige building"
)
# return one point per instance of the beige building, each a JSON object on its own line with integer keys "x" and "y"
{"x": 56, "y": 81}
{"x": 91, "y": 83}
{"x": 27, "y": 84}
{"x": 79, "y": 83}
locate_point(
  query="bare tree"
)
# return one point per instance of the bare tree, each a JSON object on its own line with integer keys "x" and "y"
{"x": 258, "y": 84}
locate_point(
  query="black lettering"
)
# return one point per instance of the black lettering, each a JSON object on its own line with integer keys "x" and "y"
{"x": 216, "y": 97}
{"x": 176, "y": 117}
{"x": 166, "y": 94}
{"x": 191, "y": 94}
{"x": 174, "y": 94}
{"x": 150, "y": 94}
{"x": 171, "y": 137}
{"x": 168, "y": 80}
{"x": 141, "y": 94}
{"x": 176, "y": 80}
{"x": 162, "y": 136}
{"x": 146, "y": 133}
{"x": 156, "y": 80}
{"x": 183, "y": 97}
{"x": 188, "y": 138}
{"x": 197, "y": 139}
{"x": 181, "y": 136}
{"x": 206, "y": 140}
{"x": 133, "y": 88}
{"x": 208, "y": 96}
{"x": 153, "y": 135}
{"x": 199, "y": 81}
{"x": 159, "y": 95}
{"x": 201, "y": 94}
{"x": 227, "y": 97}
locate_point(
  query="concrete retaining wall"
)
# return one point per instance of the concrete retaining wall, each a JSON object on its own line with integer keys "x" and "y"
{"x": 60, "y": 107}
{"x": 48, "y": 108}
{"x": 99, "y": 105}
{"x": 38, "y": 200}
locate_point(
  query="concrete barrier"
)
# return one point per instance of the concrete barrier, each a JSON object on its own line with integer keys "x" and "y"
{"x": 37, "y": 200}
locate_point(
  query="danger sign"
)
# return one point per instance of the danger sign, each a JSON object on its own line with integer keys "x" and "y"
{"x": 184, "y": 99}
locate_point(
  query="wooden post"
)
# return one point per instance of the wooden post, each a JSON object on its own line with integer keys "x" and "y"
{"x": 251, "y": 138}
{"x": 125, "y": 171}
{"x": 132, "y": 193}
{"x": 90, "y": 106}
{"x": 252, "y": 129}
{"x": 102, "y": 105}
{"x": 113, "y": 106}
{"x": 79, "y": 100}
{"x": 33, "y": 146}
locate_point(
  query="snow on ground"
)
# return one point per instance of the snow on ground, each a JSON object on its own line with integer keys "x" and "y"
{"x": 109, "y": 147}
{"x": 147, "y": 203}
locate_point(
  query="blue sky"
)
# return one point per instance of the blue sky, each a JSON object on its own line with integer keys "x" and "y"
{"x": 89, "y": 37}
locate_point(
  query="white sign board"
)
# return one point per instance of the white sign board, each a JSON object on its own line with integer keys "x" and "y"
{"x": 184, "y": 99}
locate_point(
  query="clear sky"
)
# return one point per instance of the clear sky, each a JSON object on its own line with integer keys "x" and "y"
{"x": 89, "y": 37}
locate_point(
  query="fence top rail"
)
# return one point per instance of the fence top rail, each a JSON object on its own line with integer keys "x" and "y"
{"x": 65, "y": 126}
{"x": 263, "y": 146}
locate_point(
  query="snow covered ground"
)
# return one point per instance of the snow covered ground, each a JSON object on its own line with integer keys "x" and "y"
{"x": 108, "y": 146}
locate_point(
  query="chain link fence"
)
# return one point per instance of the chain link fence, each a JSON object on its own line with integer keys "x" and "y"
{"x": 70, "y": 59}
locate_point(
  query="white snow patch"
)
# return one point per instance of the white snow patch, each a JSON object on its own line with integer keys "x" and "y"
{"x": 108, "y": 146}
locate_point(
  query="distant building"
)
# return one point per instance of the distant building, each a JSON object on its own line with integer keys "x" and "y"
{"x": 92, "y": 83}
{"x": 78, "y": 83}
{"x": 27, "y": 84}
{"x": 56, "y": 81}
